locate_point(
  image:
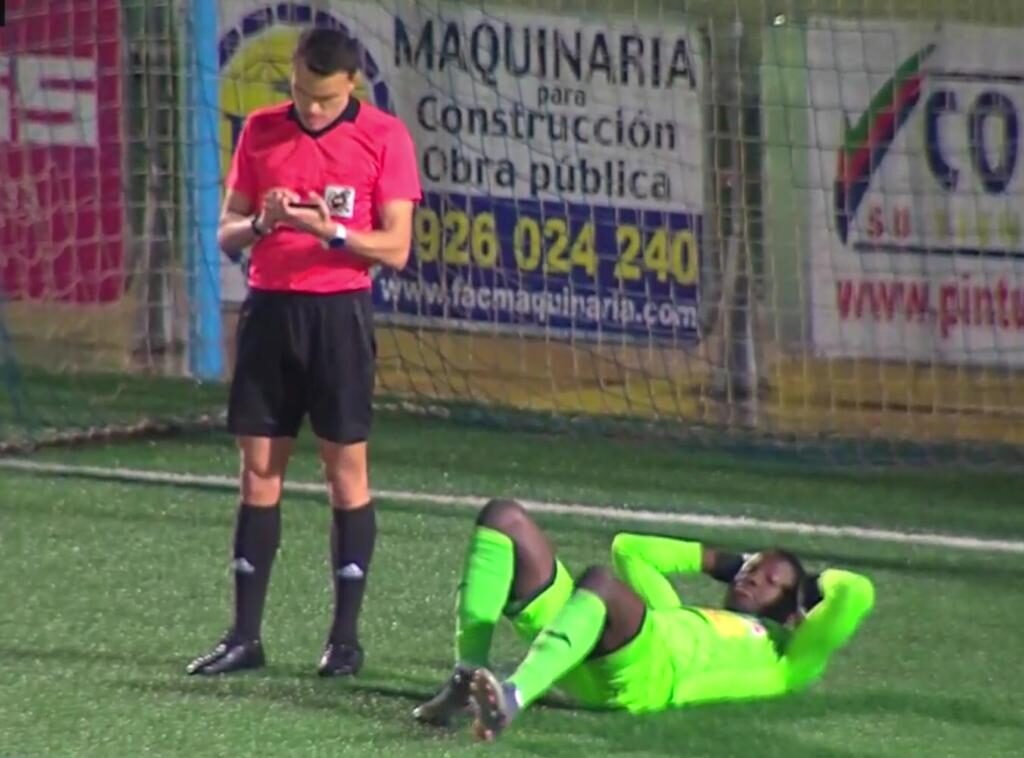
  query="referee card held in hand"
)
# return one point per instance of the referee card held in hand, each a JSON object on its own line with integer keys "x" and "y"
{"x": 321, "y": 188}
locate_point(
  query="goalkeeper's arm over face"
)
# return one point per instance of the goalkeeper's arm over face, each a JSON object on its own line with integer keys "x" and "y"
{"x": 836, "y": 604}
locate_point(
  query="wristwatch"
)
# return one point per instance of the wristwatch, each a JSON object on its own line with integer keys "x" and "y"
{"x": 338, "y": 240}
{"x": 255, "y": 224}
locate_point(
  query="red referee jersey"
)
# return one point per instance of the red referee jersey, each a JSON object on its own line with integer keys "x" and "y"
{"x": 362, "y": 160}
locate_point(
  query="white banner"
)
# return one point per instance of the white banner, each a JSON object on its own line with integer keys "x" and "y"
{"x": 917, "y": 192}
{"x": 526, "y": 105}
{"x": 562, "y": 161}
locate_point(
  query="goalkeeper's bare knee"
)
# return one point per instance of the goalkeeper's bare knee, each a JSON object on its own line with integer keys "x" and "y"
{"x": 505, "y": 516}
{"x": 534, "y": 555}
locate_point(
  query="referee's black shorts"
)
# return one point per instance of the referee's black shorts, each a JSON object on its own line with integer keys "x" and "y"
{"x": 300, "y": 353}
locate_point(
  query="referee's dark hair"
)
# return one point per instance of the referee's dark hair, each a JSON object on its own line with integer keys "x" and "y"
{"x": 326, "y": 52}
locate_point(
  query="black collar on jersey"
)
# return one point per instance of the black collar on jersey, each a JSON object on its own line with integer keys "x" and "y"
{"x": 349, "y": 114}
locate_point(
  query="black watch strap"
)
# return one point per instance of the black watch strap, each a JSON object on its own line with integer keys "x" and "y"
{"x": 255, "y": 224}
{"x": 810, "y": 593}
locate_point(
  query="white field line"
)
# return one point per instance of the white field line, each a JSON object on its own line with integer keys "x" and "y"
{"x": 708, "y": 520}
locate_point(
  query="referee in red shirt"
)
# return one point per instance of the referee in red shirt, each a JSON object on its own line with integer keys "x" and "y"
{"x": 322, "y": 188}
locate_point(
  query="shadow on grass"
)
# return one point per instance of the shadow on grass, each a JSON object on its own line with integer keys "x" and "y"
{"x": 388, "y": 703}
{"x": 769, "y": 728}
{"x": 776, "y": 727}
{"x": 75, "y": 657}
{"x": 884, "y": 703}
{"x": 283, "y": 685}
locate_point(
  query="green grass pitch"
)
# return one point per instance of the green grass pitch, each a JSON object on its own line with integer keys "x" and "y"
{"x": 109, "y": 588}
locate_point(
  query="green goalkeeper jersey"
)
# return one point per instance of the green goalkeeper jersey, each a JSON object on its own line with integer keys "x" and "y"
{"x": 691, "y": 654}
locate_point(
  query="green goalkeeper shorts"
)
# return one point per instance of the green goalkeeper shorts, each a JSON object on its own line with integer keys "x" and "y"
{"x": 637, "y": 677}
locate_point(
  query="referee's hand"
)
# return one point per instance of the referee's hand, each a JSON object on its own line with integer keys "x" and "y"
{"x": 315, "y": 220}
{"x": 275, "y": 207}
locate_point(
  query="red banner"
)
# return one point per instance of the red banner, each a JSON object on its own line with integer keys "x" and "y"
{"x": 61, "y": 196}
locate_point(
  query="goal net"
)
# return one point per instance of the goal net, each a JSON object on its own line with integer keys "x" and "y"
{"x": 734, "y": 223}
{"x": 93, "y": 279}
{"x": 892, "y": 148}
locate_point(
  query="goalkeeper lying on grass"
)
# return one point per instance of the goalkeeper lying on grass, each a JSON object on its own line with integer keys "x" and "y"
{"x": 623, "y": 639}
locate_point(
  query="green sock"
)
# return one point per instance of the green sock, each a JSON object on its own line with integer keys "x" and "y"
{"x": 561, "y": 646}
{"x": 483, "y": 594}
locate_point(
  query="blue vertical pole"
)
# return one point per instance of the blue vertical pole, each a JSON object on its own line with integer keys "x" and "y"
{"x": 206, "y": 360}
{"x": 12, "y": 376}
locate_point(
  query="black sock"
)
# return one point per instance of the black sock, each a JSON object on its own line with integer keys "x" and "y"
{"x": 257, "y": 535}
{"x": 352, "y": 537}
